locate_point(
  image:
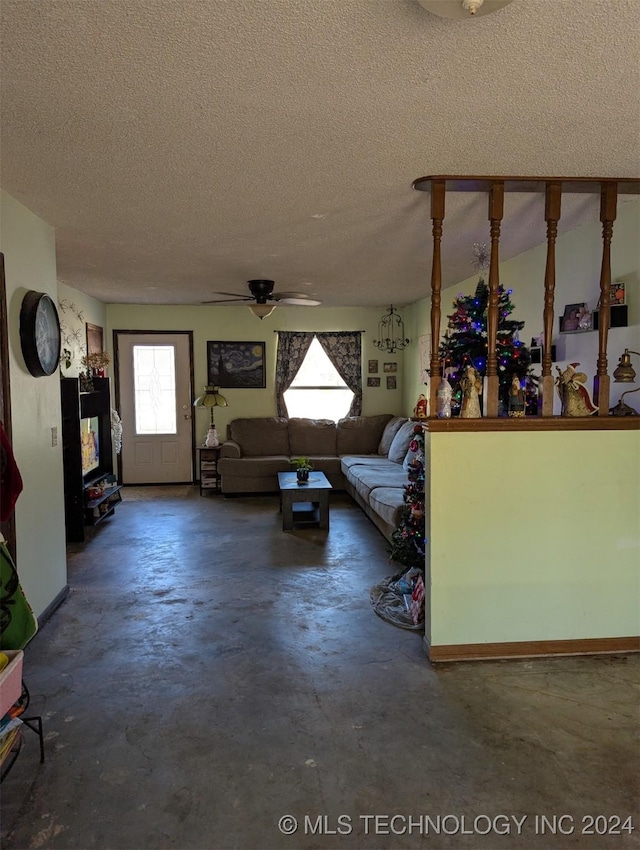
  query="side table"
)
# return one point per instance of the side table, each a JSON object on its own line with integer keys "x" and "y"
{"x": 208, "y": 469}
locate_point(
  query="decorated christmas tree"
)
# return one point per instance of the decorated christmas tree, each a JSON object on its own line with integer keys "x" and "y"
{"x": 465, "y": 342}
{"x": 407, "y": 541}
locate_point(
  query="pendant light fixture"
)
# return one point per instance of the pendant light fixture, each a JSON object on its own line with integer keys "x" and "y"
{"x": 391, "y": 334}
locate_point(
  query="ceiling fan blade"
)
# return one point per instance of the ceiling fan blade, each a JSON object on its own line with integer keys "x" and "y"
{"x": 232, "y": 296}
{"x": 296, "y": 298}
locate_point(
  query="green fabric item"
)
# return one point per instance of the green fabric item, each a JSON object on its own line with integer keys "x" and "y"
{"x": 17, "y": 621}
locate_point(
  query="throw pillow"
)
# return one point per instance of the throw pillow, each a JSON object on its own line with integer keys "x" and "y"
{"x": 400, "y": 443}
{"x": 391, "y": 429}
{"x": 408, "y": 459}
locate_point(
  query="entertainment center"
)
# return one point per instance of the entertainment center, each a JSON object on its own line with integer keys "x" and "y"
{"x": 90, "y": 488}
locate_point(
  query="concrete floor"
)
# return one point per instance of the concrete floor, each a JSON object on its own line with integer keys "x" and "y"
{"x": 209, "y": 674}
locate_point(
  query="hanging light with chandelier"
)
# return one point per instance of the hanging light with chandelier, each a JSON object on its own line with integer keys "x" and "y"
{"x": 391, "y": 333}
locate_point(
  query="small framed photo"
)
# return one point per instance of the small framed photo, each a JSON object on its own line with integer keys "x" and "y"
{"x": 570, "y": 319}
{"x": 390, "y": 367}
{"x": 236, "y": 365}
{"x": 373, "y": 382}
{"x": 391, "y": 382}
{"x": 618, "y": 294}
{"x": 95, "y": 339}
{"x": 373, "y": 366}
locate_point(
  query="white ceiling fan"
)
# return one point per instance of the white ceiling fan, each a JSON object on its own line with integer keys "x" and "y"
{"x": 266, "y": 300}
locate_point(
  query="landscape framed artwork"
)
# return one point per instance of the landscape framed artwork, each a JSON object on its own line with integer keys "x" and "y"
{"x": 373, "y": 382}
{"x": 390, "y": 367}
{"x": 236, "y": 365}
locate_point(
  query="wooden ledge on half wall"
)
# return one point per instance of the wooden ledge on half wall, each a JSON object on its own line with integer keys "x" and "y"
{"x": 531, "y": 649}
{"x": 457, "y": 425}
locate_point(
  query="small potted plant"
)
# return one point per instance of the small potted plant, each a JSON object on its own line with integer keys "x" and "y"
{"x": 303, "y": 467}
{"x": 96, "y": 363}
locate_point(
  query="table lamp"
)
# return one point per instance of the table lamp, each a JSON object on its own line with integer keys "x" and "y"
{"x": 211, "y": 398}
{"x": 625, "y": 374}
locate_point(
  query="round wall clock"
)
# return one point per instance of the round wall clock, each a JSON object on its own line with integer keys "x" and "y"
{"x": 39, "y": 333}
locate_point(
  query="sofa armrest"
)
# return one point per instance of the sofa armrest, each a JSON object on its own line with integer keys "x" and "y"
{"x": 230, "y": 449}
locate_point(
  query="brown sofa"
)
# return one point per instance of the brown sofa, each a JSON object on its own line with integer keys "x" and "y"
{"x": 353, "y": 453}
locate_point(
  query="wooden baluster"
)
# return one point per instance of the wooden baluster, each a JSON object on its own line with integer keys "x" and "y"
{"x": 602, "y": 381}
{"x": 552, "y": 217}
{"x": 438, "y": 190}
{"x": 496, "y": 212}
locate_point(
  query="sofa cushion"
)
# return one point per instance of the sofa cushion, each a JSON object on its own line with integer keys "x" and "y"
{"x": 312, "y": 437}
{"x": 409, "y": 458}
{"x": 366, "y": 478}
{"x": 388, "y": 503}
{"x": 348, "y": 461}
{"x": 325, "y": 463}
{"x": 261, "y": 436}
{"x": 262, "y": 467}
{"x": 400, "y": 444}
{"x": 358, "y": 435}
{"x": 390, "y": 430}
{"x": 414, "y": 453}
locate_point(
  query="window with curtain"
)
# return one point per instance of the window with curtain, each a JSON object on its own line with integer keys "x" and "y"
{"x": 318, "y": 391}
{"x": 319, "y": 376}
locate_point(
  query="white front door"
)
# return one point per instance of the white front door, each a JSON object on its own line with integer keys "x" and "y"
{"x": 154, "y": 377}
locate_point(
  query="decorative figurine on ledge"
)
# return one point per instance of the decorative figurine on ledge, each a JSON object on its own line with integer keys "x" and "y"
{"x": 517, "y": 398}
{"x": 444, "y": 396}
{"x": 573, "y": 394}
{"x": 420, "y": 410}
{"x": 471, "y": 385}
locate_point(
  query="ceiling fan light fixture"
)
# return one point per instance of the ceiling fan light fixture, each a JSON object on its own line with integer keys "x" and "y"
{"x": 262, "y": 310}
{"x": 462, "y": 9}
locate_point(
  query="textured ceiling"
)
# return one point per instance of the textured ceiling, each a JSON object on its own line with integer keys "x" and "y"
{"x": 180, "y": 147}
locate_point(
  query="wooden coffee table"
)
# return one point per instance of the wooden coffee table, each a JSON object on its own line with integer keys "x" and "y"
{"x": 304, "y": 504}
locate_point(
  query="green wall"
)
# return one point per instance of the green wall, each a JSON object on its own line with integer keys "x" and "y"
{"x": 238, "y": 323}
{"x": 28, "y": 245}
{"x": 533, "y": 536}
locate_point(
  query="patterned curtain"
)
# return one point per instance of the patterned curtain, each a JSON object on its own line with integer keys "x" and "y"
{"x": 292, "y": 349}
{"x": 344, "y": 350}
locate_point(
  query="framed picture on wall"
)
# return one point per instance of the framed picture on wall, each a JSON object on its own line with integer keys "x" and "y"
{"x": 373, "y": 382}
{"x": 571, "y": 317}
{"x": 391, "y": 382}
{"x": 617, "y": 294}
{"x": 236, "y": 365}
{"x": 95, "y": 338}
{"x": 373, "y": 366}
{"x": 390, "y": 367}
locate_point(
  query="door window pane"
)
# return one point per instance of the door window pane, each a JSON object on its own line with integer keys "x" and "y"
{"x": 154, "y": 389}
